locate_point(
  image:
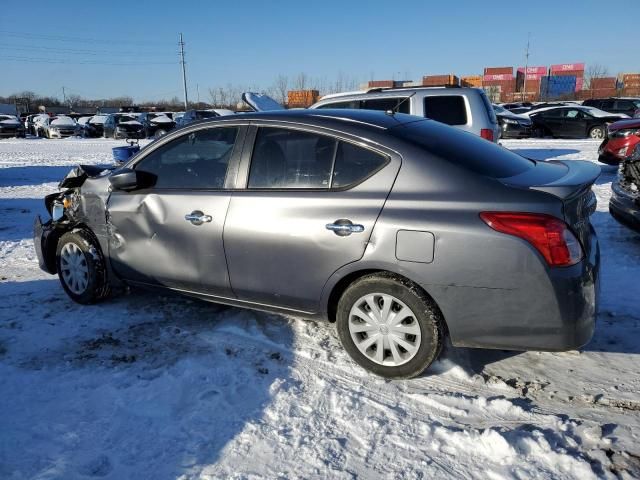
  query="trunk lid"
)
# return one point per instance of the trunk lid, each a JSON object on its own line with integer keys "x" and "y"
{"x": 571, "y": 182}
{"x": 260, "y": 102}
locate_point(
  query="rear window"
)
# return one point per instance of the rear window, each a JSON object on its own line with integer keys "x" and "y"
{"x": 402, "y": 104}
{"x": 345, "y": 104}
{"x": 465, "y": 149}
{"x": 449, "y": 109}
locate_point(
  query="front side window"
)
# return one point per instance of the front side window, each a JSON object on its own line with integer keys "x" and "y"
{"x": 197, "y": 160}
{"x": 448, "y": 109}
{"x": 284, "y": 159}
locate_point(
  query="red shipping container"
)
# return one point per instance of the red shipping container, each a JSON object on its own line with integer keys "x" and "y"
{"x": 498, "y": 71}
{"x": 566, "y": 67}
{"x": 603, "y": 82}
{"x": 380, "y": 84}
{"x": 533, "y": 72}
{"x": 497, "y": 77}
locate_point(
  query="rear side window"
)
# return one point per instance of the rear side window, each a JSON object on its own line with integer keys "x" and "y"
{"x": 449, "y": 109}
{"x": 465, "y": 149}
{"x": 354, "y": 164}
{"x": 385, "y": 104}
{"x": 349, "y": 104}
{"x": 292, "y": 159}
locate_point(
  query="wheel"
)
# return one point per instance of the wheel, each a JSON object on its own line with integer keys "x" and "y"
{"x": 389, "y": 326}
{"x": 81, "y": 267}
{"x": 159, "y": 133}
{"x": 597, "y": 133}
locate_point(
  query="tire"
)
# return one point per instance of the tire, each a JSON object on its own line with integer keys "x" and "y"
{"x": 91, "y": 284}
{"x": 597, "y": 133}
{"x": 159, "y": 133}
{"x": 422, "y": 330}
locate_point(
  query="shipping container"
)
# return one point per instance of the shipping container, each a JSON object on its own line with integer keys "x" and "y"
{"x": 496, "y": 77}
{"x": 603, "y": 82}
{"x": 630, "y": 77}
{"x": 557, "y": 86}
{"x": 302, "y": 98}
{"x": 498, "y": 71}
{"x": 566, "y": 67}
{"x": 536, "y": 71}
{"x": 471, "y": 81}
{"x": 380, "y": 84}
{"x": 440, "y": 80}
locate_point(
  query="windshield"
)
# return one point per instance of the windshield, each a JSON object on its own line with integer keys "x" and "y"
{"x": 7, "y": 117}
{"x": 125, "y": 118}
{"x": 205, "y": 114}
{"x": 464, "y": 149}
{"x": 98, "y": 119}
{"x": 636, "y": 103}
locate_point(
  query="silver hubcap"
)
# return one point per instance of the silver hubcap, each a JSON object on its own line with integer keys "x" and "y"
{"x": 384, "y": 329}
{"x": 596, "y": 133}
{"x": 74, "y": 268}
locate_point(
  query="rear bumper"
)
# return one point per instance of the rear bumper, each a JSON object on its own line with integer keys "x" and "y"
{"x": 552, "y": 311}
{"x": 624, "y": 207}
{"x": 516, "y": 131}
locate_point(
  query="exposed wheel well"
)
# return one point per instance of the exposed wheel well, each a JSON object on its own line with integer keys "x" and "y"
{"x": 52, "y": 244}
{"x": 344, "y": 283}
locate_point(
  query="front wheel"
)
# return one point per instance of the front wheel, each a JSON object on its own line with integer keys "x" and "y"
{"x": 159, "y": 133}
{"x": 389, "y": 326}
{"x": 597, "y": 133}
{"x": 81, "y": 267}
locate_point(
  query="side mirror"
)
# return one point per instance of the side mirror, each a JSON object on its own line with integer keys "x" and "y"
{"x": 127, "y": 180}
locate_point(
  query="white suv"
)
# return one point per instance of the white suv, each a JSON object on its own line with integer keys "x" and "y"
{"x": 465, "y": 108}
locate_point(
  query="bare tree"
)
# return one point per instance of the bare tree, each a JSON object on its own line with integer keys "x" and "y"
{"x": 595, "y": 70}
{"x": 301, "y": 81}
{"x": 281, "y": 87}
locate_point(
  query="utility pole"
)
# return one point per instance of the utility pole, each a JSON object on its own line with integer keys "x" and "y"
{"x": 184, "y": 73}
{"x": 526, "y": 67}
{"x": 64, "y": 97}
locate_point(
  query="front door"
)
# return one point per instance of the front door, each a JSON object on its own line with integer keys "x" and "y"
{"x": 171, "y": 234}
{"x": 575, "y": 123}
{"x": 309, "y": 208}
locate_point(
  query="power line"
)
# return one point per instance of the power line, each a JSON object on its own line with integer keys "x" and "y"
{"x": 60, "y": 38}
{"x": 14, "y": 58}
{"x": 62, "y": 50}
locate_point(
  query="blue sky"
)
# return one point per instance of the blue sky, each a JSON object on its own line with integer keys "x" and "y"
{"x": 45, "y": 45}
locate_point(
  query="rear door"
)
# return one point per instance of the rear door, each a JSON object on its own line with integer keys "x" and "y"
{"x": 171, "y": 234}
{"x": 307, "y": 206}
{"x": 575, "y": 123}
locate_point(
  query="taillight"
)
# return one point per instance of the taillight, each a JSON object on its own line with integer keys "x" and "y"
{"x": 487, "y": 134}
{"x": 549, "y": 235}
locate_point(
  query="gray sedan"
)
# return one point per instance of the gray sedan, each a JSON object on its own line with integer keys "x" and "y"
{"x": 401, "y": 230}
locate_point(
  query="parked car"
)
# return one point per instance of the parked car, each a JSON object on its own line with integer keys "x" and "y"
{"x": 30, "y": 123}
{"x": 97, "y": 124}
{"x": 156, "y": 124}
{"x": 59, "y": 126}
{"x": 627, "y": 105}
{"x": 10, "y": 126}
{"x": 38, "y": 123}
{"x": 512, "y": 125}
{"x": 396, "y": 228}
{"x": 468, "y": 109}
{"x": 194, "y": 115}
{"x": 621, "y": 141}
{"x": 572, "y": 121}
{"x": 122, "y": 125}
{"x": 624, "y": 204}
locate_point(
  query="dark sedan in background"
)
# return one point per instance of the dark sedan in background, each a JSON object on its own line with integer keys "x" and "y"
{"x": 123, "y": 125}
{"x": 512, "y": 125}
{"x": 629, "y": 106}
{"x": 624, "y": 204}
{"x": 572, "y": 121}
{"x": 156, "y": 124}
{"x": 11, "y": 126}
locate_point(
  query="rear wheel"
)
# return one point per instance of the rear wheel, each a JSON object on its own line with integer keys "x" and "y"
{"x": 597, "y": 133}
{"x": 389, "y": 326}
{"x": 81, "y": 267}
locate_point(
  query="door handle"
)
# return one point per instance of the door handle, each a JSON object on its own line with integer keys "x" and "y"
{"x": 344, "y": 227}
{"x": 197, "y": 217}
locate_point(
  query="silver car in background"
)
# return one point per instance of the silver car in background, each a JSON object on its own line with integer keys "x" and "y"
{"x": 465, "y": 108}
{"x": 400, "y": 230}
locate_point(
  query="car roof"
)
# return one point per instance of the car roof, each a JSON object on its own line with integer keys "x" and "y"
{"x": 401, "y": 91}
{"x": 371, "y": 118}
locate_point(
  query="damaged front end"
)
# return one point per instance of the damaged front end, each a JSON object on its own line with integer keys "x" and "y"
{"x": 624, "y": 205}
{"x": 81, "y": 202}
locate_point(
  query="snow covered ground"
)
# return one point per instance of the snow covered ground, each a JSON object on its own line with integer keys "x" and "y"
{"x": 154, "y": 387}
